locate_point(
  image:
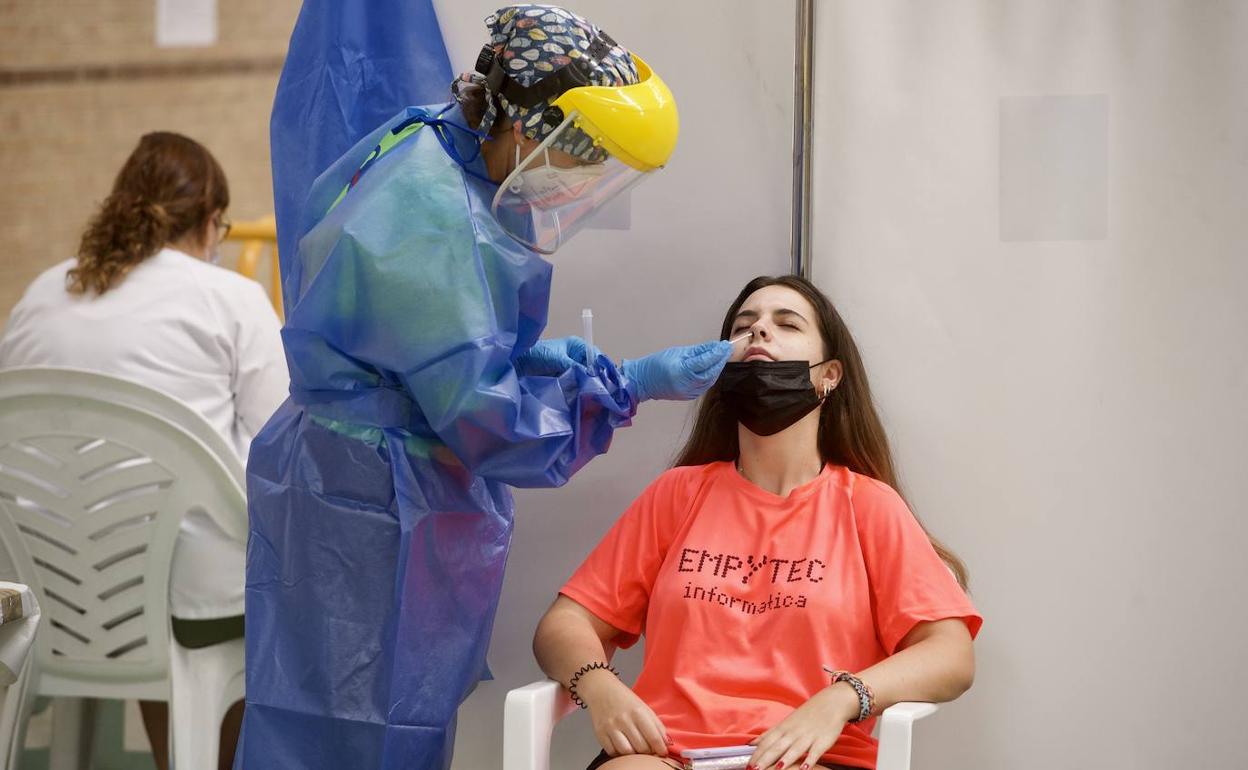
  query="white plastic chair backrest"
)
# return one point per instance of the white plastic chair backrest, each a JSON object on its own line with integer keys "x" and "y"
{"x": 95, "y": 476}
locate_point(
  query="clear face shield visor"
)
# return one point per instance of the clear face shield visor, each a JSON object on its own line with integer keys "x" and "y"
{"x": 553, "y": 192}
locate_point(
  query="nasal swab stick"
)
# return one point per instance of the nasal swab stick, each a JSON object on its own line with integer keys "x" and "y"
{"x": 587, "y": 323}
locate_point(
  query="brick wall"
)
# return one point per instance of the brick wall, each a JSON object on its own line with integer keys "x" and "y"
{"x": 80, "y": 81}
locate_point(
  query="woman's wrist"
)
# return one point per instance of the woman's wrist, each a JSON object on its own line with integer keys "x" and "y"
{"x": 843, "y": 700}
{"x": 593, "y": 684}
{"x": 574, "y": 682}
{"x": 863, "y": 691}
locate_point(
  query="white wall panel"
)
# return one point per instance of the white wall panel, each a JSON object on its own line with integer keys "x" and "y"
{"x": 1033, "y": 216}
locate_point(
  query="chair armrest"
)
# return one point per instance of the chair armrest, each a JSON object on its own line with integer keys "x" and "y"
{"x": 530, "y": 714}
{"x": 895, "y": 734}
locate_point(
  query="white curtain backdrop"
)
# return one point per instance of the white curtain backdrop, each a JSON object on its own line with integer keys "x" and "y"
{"x": 1033, "y": 215}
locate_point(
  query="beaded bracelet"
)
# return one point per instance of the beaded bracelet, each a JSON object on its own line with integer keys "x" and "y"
{"x": 585, "y": 669}
{"x": 866, "y": 698}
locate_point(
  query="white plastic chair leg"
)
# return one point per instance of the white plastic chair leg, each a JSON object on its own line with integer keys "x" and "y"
{"x": 73, "y": 730}
{"x": 204, "y": 683}
{"x": 896, "y": 734}
{"x": 18, "y": 702}
{"x": 530, "y": 714}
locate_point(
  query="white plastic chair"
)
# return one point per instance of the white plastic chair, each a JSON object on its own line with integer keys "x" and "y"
{"x": 531, "y": 713}
{"x": 16, "y": 640}
{"x": 95, "y": 476}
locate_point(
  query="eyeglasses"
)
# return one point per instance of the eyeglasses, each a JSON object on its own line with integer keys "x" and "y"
{"x": 223, "y": 227}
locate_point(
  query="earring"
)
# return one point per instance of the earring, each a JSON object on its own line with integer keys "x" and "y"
{"x": 827, "y": 389}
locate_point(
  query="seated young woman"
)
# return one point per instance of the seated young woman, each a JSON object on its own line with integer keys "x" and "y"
{"x": 786, "y": 591}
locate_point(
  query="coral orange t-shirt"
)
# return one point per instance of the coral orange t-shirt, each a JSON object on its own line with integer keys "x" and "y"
{"x": 743, "y": 596}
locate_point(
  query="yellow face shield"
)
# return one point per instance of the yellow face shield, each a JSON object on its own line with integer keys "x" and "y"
{"x": 627, "y": 132}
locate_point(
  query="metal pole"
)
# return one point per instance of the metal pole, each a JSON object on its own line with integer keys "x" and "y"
{"x": 803, "y": 59}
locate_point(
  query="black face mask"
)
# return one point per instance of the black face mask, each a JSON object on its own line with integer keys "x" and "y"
{"x": 768, "y": 396}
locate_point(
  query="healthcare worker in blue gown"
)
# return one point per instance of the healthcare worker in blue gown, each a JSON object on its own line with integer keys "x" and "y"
{"x": 378, "y": 494}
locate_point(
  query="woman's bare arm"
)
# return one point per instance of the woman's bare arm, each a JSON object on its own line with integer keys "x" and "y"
{"x": 934, "y": 663}
{"x": 570, "y": 636}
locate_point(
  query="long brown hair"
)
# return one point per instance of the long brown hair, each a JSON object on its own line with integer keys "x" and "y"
{"x": 169, "y": 186}
{"x": 850, "y": 431}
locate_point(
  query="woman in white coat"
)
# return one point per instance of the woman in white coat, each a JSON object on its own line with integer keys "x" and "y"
{"x": 143, "y": 301}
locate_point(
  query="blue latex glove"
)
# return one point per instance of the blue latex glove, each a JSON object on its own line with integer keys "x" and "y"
{"x": 551, "y": 358}
{"x": 677, "y": 374}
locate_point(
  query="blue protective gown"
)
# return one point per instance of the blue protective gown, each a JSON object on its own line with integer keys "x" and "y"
{"x": 378, "y": 493}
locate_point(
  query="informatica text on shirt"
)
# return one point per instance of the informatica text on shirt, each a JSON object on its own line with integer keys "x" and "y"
{"x": 786, "y": 576}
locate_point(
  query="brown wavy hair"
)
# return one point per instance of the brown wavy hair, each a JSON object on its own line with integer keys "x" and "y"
{"x": 169, "y": 186}
{"x": 850, "y": 431}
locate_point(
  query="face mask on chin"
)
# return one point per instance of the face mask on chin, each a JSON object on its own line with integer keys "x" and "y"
{"x": 768, "y": 396}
